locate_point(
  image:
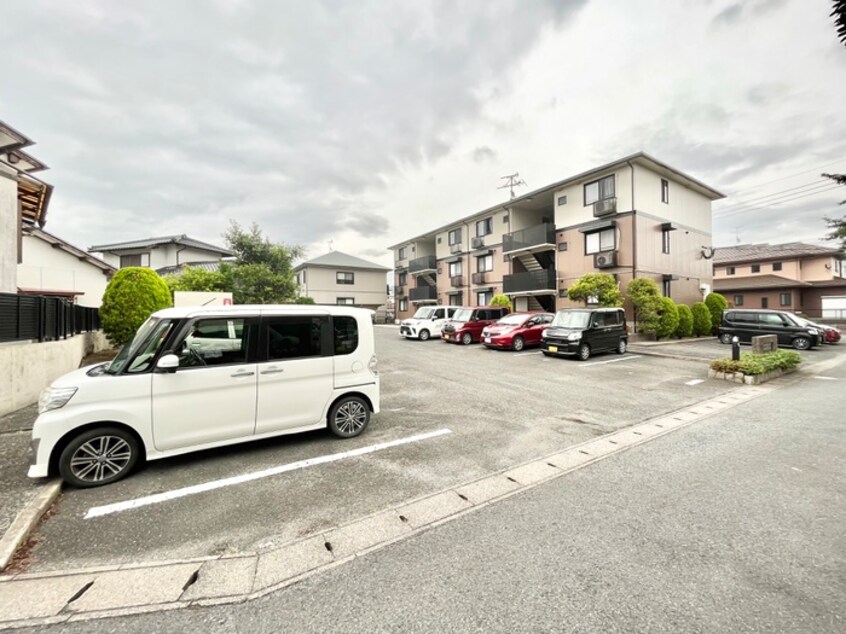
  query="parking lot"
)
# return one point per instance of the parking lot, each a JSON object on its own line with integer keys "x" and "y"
{"x": 450, "y": 414}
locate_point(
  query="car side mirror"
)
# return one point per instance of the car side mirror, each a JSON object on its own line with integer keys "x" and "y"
{"x": 168, "y": 364}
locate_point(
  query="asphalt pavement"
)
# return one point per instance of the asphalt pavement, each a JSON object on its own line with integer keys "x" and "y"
{"x": 734, "y": 523}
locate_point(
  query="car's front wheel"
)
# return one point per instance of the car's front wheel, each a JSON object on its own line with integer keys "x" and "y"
{"x": 349, "y": 417}
{"x": 466, "y": 338}
{"x": 622, "y": 346}
{"x": 801, "y": 343}
{"x": 424, "y": 335}
{"x": 584, "y": 352}
{"x": 98, "y": 456}
{"x": 518, "y": 343}
{"x": 725, "y": 338}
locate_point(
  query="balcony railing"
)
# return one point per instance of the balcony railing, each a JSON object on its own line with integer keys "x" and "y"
{"x": 423, "y": 293}
{"x": 478, "y": 278}
{"x": 542, "y": 234}
{"x": 426, "y": 263}
{"x": 457, "y": 281}
{"x": 543, "y": 280}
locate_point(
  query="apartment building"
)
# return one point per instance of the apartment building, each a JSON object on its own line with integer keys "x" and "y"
{"x": 793, "y": 276}
{"x": 633, "y": 217}
{"x": 339, "y": 278}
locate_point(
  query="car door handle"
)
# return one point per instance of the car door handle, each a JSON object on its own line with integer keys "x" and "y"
{"x": 239, "y": 375}
{"x": 272, "y": 371}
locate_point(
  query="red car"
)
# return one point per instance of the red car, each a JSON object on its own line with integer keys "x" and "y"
{"x": 830, "y": 333}
{"x": 467, "y": 324}
{"x": 516, "y": 331}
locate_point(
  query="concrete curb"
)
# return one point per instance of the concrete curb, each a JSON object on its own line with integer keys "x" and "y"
{"x": 26, "y": 520}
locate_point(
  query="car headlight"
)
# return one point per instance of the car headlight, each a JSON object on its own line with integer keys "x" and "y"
{"x": 54, "y": 398}
{"x": 813, "y": 331}
{"x": 574, "y": 336}
{"x": 543, "y": 333}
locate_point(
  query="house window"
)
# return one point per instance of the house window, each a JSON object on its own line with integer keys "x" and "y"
{"x": 765, "y": 302}
{"x": 784, "y": 299}
{"x": 562, "y": 200}
{"x": 130, "y": 260}
{"x": 484, "y": 263}
{"x": 729, "y": 270}
{"x": 484, "y": 227}
{"x": 756, "y": 268}
{"x": 455, "y": 269}
{"x": 402, "y": 253}
{"x": 605, "y": 240}
{"x": 402, "y": 278}
{"x": 665, "y": 289}
{"x": 345, "y": 301}
{"x": 455, "y": 237}
{"x": 483, "y": 298}
{"x": 776, "y": 266}
{"x": 599, "y": 190}
{"x": 738, "y": 300}
{"x": 403, "y": 304}
{"x": 342, "y": 277}
{"x": 665, "y": 241}
{"x": 665, "y": 192}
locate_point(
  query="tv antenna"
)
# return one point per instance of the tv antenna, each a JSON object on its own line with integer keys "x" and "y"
{"x": 512, "y": 181}
{"x": 331, "y": 245}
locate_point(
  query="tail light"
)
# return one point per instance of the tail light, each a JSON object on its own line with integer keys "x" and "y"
{"x": 373, "y": 366}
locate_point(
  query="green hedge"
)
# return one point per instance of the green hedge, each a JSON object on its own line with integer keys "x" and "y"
{"x": 759, "y": 363}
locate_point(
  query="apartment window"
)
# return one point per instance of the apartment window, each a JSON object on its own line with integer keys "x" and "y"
{"x": 784, "y": 299}
{"x": 665, "y": 241}
{"x": 665, "y": 288}
{"x": 605, "y": 240}
{"x": 729, "y": 270}
{"x": 402, "y": 253}
{"x": 562, "y": 246}
{"x": 130, "y": 260}
{"x": 342, "y": 277}
{"x": 484, "y": 263}
{"x": 738, "y": 300}
{"x": 756, "y": 268}
{"x": 562, "y": 200}
{"x": 455, "y": 237}
{"x": 665, "y": 192}
{"x": 484, "y": 227}
{"x": 776, "y": 266}
{"x": 455, "y": 299}
{"x": 599, "y": 190}
{"x": 345, "y": 301}
{"x": 403, "y": 304}
{"x": 402, "y": 278}
{"x": 455, "y": 269}
{"x": 483, "y": 298}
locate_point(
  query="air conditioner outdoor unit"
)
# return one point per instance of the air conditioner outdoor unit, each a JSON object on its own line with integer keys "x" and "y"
{"x": 477, "y": 243}
{"x": 605, "y": 207}
{"x": 605, "y": 260}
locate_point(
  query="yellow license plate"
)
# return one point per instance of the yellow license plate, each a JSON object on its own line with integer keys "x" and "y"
{"x": 553, "y": 348}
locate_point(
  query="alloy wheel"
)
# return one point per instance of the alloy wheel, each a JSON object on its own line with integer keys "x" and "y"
{"x": 351, "y": 417}
{"x": 101, "y": 458}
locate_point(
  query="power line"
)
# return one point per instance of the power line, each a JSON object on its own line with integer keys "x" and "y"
{"x": 776, "y": 180}
{"x": 778, "y": 202}
{"x": 784, "y": 192}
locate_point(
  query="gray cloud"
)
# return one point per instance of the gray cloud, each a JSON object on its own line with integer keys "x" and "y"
{"x": 483, "y": 153}
{"x": 728, "y": 16}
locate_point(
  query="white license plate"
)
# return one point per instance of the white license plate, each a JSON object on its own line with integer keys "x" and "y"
{"x": 487, "y": 339}
{"x": 553, "y": 348}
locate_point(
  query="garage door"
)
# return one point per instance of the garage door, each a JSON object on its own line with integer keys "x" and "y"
{"x": 834, "y": 307}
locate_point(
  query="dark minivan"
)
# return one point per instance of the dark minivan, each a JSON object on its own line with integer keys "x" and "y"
{"x": 748, "y": 323}
{"x": 582, "y": 332}
{"x": 467, "y": 324}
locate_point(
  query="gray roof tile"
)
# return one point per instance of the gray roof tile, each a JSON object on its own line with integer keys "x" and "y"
{"x": 766, "y": 251}
{"x": 337, "y": 259}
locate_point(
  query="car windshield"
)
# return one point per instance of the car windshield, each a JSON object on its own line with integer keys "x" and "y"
{"x": 572, "y": 319}
{"x": 134, "y": 344}
{"x": 463, "y": 314}
{"x": 423, "y": 313}
{"x": 802, "y": 321}
{"x": 512, "y": 320}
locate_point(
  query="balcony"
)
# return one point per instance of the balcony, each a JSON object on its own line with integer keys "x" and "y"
{"x": 529, "y": 282}
{"x": 537, "y": 238}
{"x": 455, "y": 248}
{"x": 456, "y": 281}
{"x": 478, "y": 278}
{"x": 423, "y": 265}
{"x": 423, "y": 294}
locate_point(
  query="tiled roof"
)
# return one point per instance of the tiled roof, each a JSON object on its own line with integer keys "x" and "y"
{"x": 213, "y": 265}
{"x": 755, "y": 282}
{"x": 182, "y": 240}
{"x": 766, "y": 251}
{"x": 339, "y": 260}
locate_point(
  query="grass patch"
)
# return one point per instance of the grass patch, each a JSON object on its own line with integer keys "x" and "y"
{"x": 753, "y": 364}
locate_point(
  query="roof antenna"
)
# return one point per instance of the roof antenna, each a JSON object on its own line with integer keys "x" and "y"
{"x": 512, "y": 181}
{"x": 331, "y": 245}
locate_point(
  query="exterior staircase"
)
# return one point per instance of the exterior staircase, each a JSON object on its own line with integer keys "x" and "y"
{"x": 529, "y": 261}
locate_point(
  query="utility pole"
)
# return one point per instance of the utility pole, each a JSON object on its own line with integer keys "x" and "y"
{"x": 512, "y": 181}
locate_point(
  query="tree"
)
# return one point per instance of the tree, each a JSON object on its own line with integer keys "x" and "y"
{"x": 302, "y": 299}
{"x": 685, "y": 328}
{"x": 197, "y": 279}
{"x": 599, "y": 288}
{"x": 701, "y": 319}
{"x": 645, "y": 297}
{"x": 716, "y": 303}
{"x": 668, "y": 321}
{"x": 133, "y": 294}
{"x": 839, "y": 14}
{"x": 837, "y": 225}
{"x": 501, "y": 300}
{"x": 263, "y": 272}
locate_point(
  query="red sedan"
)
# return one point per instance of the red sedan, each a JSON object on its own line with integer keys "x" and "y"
{"x": 516, "y": 331}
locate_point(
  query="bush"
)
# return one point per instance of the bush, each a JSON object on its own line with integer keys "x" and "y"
{"x": 685, "y": 328}
{"x": 701, "y": 319}
{"x": 501, "y": 300}
{"x": 754, "y": 364}
{"x": 133, "y": 294}
{"x": 599, "y": 288}
{"x": 716, "y": 304}
{"x": 645, "y": 297}
{"x": 668, "y": 321}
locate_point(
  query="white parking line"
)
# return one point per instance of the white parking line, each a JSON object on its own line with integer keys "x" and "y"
{"x": 625, "y": 358}
{"x": 826, "y": 378}
{"x": 695, "y": 382}
{"x": 108, "y": 509}
{"x": 523, "y": 354}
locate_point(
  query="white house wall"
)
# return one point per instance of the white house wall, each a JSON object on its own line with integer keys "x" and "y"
{"x": 686, "y": 206}
{"x": 369, "y": 288}
{"x": 8, "y": 233}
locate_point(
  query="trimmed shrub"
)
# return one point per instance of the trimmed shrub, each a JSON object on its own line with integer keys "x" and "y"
{"x": 716, "y": 304}
{"x": 501, "y": 300}
{"x": 133, "y": 294}
{"x": 645, "y": 297}
{"x": 685, "y": 328}
{"x": 754, "y": 364}
{"x": 668, "y": 321}
{"x": 599, "y": 288}
{"x": 701, "y": 319}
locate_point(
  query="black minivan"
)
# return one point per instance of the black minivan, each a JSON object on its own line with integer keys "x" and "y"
{"x": 582, "y": 332}
{"x": 748, "y": 323}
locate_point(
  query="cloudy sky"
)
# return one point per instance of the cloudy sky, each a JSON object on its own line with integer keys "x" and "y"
{"x": 366, "y": 122}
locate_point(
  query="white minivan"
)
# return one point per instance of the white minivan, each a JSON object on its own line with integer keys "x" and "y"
{"x": 197, "y": 378}
{"x": 427, "y": 322}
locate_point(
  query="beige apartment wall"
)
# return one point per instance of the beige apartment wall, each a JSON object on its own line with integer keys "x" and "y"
{"x": 422, "y": 248}
{"x": 369, "y": 288}
{"x": 574, "y": 262}
{"x": 575, "y": 211}
{"x": 442, "y": 248}
{"x": 9, "y": 220}
{"x": 444, "y": 282}
{"x": 686, "y": 206}
{"x": 685, "y": 258}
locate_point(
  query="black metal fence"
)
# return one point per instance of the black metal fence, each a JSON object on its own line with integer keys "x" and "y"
{"x": 28, "y": 317}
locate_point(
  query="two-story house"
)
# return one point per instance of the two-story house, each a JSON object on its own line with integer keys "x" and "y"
{"x": 168, "y": 254}
{"x": 633, "y": 217}
{"x": 794, "y": 276}
{"x": 339, "y": 278}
